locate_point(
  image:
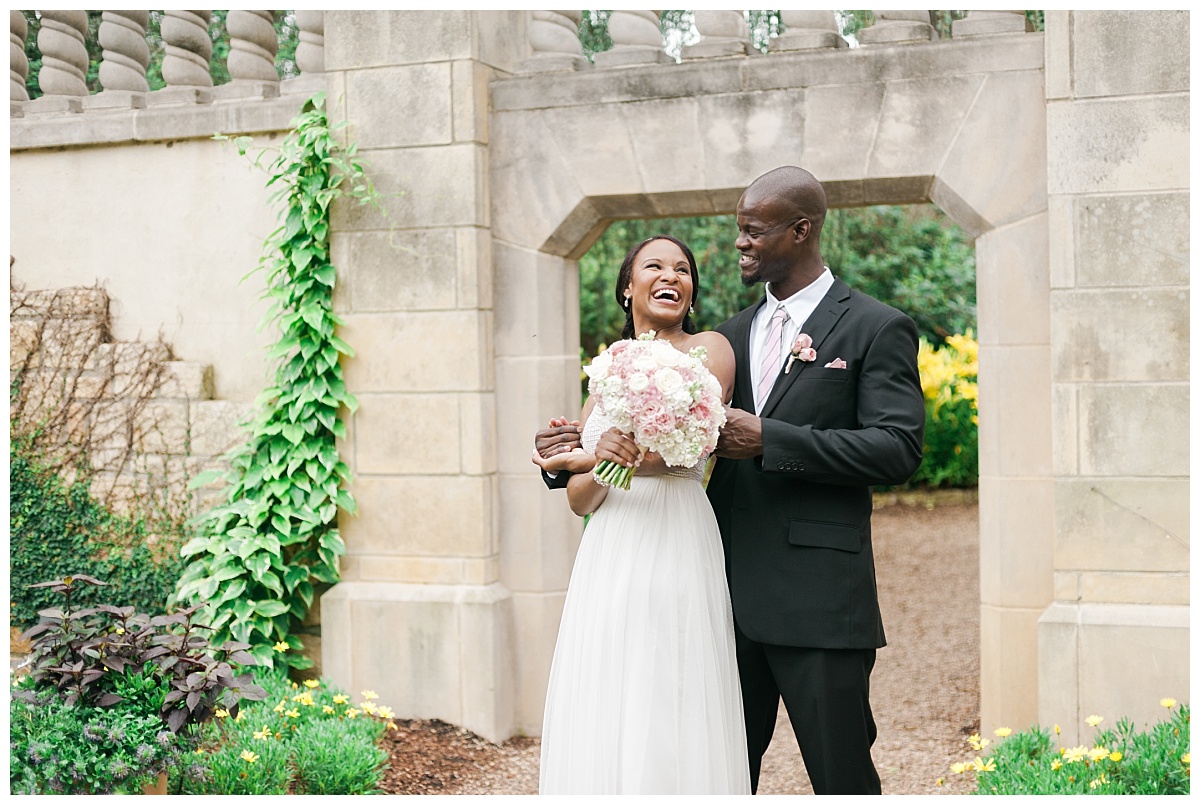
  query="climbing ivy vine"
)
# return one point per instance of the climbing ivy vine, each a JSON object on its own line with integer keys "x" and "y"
{"x": 262, "y": 556}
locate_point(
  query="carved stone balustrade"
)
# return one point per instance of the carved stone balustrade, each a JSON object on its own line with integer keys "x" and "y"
{"x": 637, "y": 39}
{"x": 186, "y": 60}
{"x": 808, "y": 30}
{"x": 18, "y": 64}
{"x": 310, "y": 54}
{"x": 125, "y": 59}
{"x": 64, "y": 62}
{"x": 253, "y": 44}
{"x": 990, "y": 23}
{"x": 722, "y": 33}
{"x": 898, "y": 27}
{"x": 554, "y": 37}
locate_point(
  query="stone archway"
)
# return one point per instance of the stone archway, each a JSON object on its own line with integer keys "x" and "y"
{"x": 961, "y": 125}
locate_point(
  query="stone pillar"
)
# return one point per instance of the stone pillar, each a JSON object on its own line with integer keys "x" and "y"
{"x": 18, "y": 64}
{"x": 1115, "y": 640}
{"x": 554, "y": 37}
{"x": 252, "y": 47}
{"x": 990, "y": 23}
{"x": 310, "y": 53}
{"x": 421, "y": 614}
{"x": 636, "y": 38}
{"x": 64, "y": 62}
{"x": 808, "y": 30}
{"x": 186, "y": 59}
{"x": 898, "y": 27}
{"x": 722, "y": 33}
{"x": 126, "y": 56}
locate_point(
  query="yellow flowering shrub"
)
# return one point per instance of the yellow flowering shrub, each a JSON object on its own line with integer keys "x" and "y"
{"x": 949, "y": 383}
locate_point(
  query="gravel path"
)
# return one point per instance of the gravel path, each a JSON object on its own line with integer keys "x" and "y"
{"x": 925, "y": 687}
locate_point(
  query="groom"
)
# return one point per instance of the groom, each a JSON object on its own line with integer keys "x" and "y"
{"x": 827, "y": 402}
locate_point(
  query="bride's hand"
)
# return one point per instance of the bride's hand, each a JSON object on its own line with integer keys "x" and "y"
{"x": 619, "y": 448}
{"x": 576, "y": 461}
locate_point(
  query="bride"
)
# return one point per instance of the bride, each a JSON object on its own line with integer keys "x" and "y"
{"x": 644, "y": 694}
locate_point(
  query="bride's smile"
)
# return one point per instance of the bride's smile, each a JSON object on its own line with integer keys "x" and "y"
{"x": 660, "y": 287}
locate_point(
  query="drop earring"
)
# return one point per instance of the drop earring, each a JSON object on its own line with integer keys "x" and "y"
{"x": 692, "y": 310}
{"x": 627, "y": 301}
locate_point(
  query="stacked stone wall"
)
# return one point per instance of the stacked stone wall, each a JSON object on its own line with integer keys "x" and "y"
{"x": 141, "y": 423}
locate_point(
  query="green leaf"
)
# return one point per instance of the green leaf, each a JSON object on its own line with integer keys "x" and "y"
{"x": 326, "y": 275}
{"x": 243, "y": 608}
{"x": 258, "y": 565}
{"x": 194, "y": 546}
{"x": 346, "y": 502}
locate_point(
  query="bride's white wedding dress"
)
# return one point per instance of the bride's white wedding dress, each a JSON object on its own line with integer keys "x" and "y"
{"x": 644, "y": 694}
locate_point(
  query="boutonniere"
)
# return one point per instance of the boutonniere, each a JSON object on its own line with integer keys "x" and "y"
{"x": 801, "y": 351}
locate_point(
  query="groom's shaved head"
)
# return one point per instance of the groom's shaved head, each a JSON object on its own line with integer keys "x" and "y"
{"x": 794, "y": 187}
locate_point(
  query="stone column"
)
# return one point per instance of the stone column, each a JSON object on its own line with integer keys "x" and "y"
{"x": 554, "y": 37}
{"x": 64, "y": 62}
{"x": 808, "y": 30}
{"x": 990, "y": 23}
{"x": 722, "y": 33}
{"x": 126, "y": 56}
{"x": 898, "y": 27}
{"x": 310, "y": 54}
{"x": 18, "y": 64}
{"x": 421, "y": 614}
{"x": 1115, "y": 640}
{"x": 252, "y": 47}
{"x": 636, "y": 38}
{"x": 186, "y": 59}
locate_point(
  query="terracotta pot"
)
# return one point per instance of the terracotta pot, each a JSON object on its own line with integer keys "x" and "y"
{"x": 158, "y": 787}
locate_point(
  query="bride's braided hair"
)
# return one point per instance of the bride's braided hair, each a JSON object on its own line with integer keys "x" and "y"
{"x": 625, "y": 276}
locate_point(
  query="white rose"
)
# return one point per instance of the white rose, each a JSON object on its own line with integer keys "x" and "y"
{"x": 599, "y": 365}
{"x": 667, "y": 355}
{"x": 645, "y": 363}
{"x": 667, "y": 380}
{"x": 638, "y": 383}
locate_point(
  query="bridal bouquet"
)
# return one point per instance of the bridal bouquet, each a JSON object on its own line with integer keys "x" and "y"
{"x": 669, "y": 401}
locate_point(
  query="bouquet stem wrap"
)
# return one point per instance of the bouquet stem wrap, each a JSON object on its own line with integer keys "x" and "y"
{"x": 668, "y": 400}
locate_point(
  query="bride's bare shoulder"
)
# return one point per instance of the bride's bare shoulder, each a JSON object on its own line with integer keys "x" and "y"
{"x": 712, "y": 341}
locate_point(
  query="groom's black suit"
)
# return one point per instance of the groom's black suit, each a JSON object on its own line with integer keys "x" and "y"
{"x": 796, "y": 526}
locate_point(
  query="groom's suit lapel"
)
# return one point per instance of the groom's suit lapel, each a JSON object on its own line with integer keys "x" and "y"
{"x": 819, "y": 324}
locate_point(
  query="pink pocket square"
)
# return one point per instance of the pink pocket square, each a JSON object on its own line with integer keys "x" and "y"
{"x": 836, "y": 363}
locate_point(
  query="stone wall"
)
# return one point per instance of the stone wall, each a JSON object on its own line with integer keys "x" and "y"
{"x": 1116, "y": 638}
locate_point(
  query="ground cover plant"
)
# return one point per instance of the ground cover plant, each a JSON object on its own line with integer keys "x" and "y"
{"x": 1117, "y": 760}
{"x": 302, "y": 738}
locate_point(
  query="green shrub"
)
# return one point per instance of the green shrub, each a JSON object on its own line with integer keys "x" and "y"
{"x": 58, "y": 529}
{"x": 1120, "y": 760}
{"x": 313, "y": 735}
{"x": 56, "y": 748}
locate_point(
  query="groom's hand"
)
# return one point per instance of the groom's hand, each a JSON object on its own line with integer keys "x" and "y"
{"x": 741, "y": 437}
{"x": 561, "y": 437}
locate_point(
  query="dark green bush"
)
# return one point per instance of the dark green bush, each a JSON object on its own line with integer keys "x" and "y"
{"x": 57, "y": 529}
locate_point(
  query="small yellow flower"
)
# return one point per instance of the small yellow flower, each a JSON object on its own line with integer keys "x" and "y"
{"x": 281, "y": 646}
{"x": 221, "y": 713}
{"x": 1057, "y": 731}
{"x": 370, "y": 694}
{"x": 1167, "y": 703}
{"x": 120, "y": 630}
{"x": 311, "y": 683}
{"x": 391, "y": 725}
{"x": 1186, "y": 758}
{"x": 383, "y": 711}
{"x": 292, "y": 714}
{"x": 1093, "y": 721}
{"x": 341, "y": 698}
{"x": 263, "y": 734}
{"x": 328, "y": 710}
{"x": 1099, "y": 753}
{"x": 959, "y": 768}
{"x": 351, "y": 712}
{"x": 1056, "y": 765}
{"x": 248, "y": 756}
{"x": 980, "y": 764}
{"x": 1101, "y": 780}
{"x": 241, "y": 714}
{"x": 279, "y": 708}
{"x": 368, "y": 708}
{"x": 940, "y": 781}
{"x": 1003, "y": 732}
{"x": 1077, "y": 754}
{"x": 200, "y": 751}
{"x": 1115, "y": 757}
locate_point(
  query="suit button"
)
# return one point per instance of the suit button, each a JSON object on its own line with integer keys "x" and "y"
{"x": 800, "y": 468}
{"x": 780, "y": 466}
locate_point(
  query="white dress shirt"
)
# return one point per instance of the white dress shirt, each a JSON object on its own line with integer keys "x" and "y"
{"x": 799, "y": 306}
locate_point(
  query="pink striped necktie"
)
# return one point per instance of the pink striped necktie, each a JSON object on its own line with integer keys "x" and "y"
{"x": 771, "y": 357}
